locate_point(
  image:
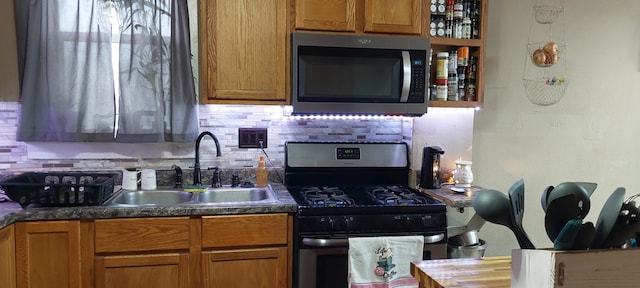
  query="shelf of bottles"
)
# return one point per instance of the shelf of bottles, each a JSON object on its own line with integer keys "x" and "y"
{"x": 455, "y": 29}
{"x": 455, "y": 19}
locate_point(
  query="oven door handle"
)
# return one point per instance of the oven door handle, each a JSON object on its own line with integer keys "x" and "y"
{"x": 319, "y": 242}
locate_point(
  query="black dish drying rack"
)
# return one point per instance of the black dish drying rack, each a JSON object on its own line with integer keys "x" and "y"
{"x": 59, "y": 189}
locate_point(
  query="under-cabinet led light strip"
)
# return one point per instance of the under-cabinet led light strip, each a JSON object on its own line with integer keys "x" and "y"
{"x": 287, "y": 114}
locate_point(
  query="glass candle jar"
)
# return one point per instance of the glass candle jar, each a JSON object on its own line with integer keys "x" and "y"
{"x": 463, "y": 176}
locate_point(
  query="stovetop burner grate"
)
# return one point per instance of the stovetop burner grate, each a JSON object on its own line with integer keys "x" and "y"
{"x": 327, "y": 197}
{"x": 356, "y": 197}
{"x": 396, "y": 195}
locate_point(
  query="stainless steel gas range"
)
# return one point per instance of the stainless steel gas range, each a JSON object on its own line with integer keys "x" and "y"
{"x": 354, "y": 189}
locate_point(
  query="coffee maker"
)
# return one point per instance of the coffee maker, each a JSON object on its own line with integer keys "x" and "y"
{"x": 430, "y": 174}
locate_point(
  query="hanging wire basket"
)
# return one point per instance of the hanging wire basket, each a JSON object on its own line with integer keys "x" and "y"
{"x": 545, "y": 91}
{"x": 547, "y": 14}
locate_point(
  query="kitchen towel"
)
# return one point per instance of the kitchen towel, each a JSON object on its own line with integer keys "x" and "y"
{"x": 383, "y": 262}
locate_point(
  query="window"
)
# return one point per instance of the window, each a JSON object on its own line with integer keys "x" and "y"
{"x": 105, "y": 71}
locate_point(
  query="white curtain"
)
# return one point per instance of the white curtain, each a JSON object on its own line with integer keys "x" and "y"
{"x": 68, "y": 91}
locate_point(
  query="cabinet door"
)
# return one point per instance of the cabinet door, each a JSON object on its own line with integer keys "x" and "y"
{"x": 8, "y": 254}
{"x": 393, "y": 16}
{"x": 266, "y": 267}
{"x": 227, "y": 231}
{"x": 243, "y": 51}
{"x": 48, "y": 254}
{"x": 328, "y": 15}
{"x": 133, "y": 271}
{"x": 141, "y": 234}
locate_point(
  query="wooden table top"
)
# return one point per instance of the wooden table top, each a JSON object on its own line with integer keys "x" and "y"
{"x": 490, "y": 272}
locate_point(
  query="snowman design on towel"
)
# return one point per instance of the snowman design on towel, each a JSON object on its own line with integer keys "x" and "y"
{"x": 385, "y": 263}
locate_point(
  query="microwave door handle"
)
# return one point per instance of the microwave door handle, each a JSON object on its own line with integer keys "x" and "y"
{"x": 406, "y": 80}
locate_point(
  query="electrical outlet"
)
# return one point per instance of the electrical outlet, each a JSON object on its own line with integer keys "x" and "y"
{"x": 251, "y": 137}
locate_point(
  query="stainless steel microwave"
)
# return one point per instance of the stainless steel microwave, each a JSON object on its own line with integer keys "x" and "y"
{"x": 359, "y": 74}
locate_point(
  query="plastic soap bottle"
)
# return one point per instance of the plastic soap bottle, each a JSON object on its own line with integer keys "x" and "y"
{"x": 262, "y": 173}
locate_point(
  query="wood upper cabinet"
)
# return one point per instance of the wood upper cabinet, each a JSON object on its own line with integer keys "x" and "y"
{"x": 392, "y": 16}
{"x": 142, "y": 252}
{"x": 361, "y": 16}
{"x": 328, "y": 15}
{"x": 245, "y": 251}
{"x": 8, "y": 256}
{"x": 243, "y": 51}
{"x": 48, "y": 254}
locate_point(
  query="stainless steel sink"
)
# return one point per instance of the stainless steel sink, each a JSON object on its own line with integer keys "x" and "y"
{"x": 211, "y": 196}
{"x": 234, "y": 195}
{"x": 161, "y": 197}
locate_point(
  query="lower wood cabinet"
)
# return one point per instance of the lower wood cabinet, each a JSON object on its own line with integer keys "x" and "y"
{"x": 48, "y": 254}
{"x": 246, "y": 251}
{"x": 8, "y": 256}
{"x": 239, "y": 251}
{"x": 265, "y": 267}
{"x": 142, "y": 252}
{"x": 169, "y": 270}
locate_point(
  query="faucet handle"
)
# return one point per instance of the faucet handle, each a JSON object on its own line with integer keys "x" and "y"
{"x": 178, "y": 179}
{"x": 235, "y": 181}
{"x": 216, "y": 182}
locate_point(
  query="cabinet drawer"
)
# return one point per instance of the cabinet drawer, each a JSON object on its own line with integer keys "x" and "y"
{"x": 244, "y": 230}
{"x": 142, "y": 234}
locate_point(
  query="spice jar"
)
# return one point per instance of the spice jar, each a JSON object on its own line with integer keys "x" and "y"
{"x": 466, "y": 28}
{"x": 463, "y": 56}
{"x": 442, "y": 65}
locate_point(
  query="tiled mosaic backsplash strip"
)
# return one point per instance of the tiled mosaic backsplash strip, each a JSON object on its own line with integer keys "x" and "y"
{"x": 221, "y": 120}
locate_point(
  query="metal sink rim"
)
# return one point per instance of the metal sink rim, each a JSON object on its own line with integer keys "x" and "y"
{"x": 194, "y": 199}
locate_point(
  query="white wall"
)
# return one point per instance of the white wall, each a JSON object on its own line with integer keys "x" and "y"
{"x": 449, "y": 128}
{"x": 590, "y": 135}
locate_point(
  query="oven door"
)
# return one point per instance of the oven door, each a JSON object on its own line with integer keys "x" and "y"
{"x": 322, "y": 263}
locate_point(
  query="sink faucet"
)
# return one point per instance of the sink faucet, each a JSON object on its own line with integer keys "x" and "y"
{"x": 197, "y": 176}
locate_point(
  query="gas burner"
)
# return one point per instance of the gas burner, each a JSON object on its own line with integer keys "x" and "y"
{"x": 321, "y": 190}
{"x": 326, "y": 197}
{"x": 396, "y": 195}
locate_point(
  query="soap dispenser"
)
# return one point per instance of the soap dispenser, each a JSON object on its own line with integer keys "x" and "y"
{"x": 430, "y": 173}
{"x": 262, "y": 173}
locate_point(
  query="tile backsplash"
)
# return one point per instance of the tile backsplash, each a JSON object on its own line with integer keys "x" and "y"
{"x": 221, "y": 120}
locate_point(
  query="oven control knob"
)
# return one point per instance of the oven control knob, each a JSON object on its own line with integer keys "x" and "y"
{"x": 403, "y": 220}
{"x": 428, "y": 221}
{"x": 349, "y": 222}
{"x": 327, "y": 223}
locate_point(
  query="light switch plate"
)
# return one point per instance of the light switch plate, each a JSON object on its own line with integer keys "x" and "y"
{"x": 251, "y": 137}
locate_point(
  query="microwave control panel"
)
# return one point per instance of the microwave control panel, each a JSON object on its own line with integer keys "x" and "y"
{"x": 417, "y": 90}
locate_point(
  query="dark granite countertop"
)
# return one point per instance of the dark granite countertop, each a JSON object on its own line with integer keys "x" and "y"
{"x": 11, "y": 212}
{"x": 451, "y": 198}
